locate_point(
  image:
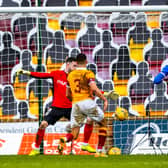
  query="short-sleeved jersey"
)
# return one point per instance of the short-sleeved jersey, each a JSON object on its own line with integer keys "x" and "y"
{"x": 78, "y": 81}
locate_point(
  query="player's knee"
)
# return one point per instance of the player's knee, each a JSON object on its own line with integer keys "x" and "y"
{"x": 44, "y": 124}
{"x": 68, "y": 128}
{"x": 89, "y": 121}
{"x": 103, "y": 123}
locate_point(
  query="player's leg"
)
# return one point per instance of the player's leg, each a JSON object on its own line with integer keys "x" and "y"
{"x": 69, "y": 136}
{"x": 97, "y": 115}
{"x": 102, "y": 134}
{"x": 77, "y": 118}
{"x": 87, "y": 134}
{"x": 50, "y": 118}
{"x": 39, "y": 137}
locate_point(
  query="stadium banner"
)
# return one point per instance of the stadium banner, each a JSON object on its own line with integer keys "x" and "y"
{"x": 141, "y": 136}
{"x": 19, "y": 138}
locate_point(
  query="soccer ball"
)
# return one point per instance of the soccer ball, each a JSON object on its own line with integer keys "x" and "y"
{"x": 114, "y": 151}
{"x": 121, "y": 113}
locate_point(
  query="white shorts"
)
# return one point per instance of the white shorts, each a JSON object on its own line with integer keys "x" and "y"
{"x": 83, "y": 109}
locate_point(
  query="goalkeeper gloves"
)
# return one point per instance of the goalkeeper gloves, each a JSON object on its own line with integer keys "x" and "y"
{"x": 21, "y": 71}
{"x": 111, "y": 94}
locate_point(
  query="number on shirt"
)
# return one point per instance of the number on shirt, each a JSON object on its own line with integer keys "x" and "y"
{"x": 77, "y": 85}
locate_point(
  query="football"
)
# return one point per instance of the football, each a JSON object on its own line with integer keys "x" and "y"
{"x": 121, "y": 113}
{"x": 114, "y": 151}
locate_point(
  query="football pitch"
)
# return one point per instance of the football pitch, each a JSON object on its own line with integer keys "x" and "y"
{"x": 84, "y": 161}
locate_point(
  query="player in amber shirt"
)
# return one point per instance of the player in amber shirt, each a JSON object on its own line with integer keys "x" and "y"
{"x": 81, "y": 85}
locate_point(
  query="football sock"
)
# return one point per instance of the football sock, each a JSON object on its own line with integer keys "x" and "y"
{"x": 39, "y": 137}
{"x": 87, "y": 132}
{"x": 102, "y": 137}
{"x": 69, "y": 137}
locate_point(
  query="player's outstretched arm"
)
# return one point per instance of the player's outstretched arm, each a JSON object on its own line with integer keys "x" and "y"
{"x": 98, "y": 93}
{"x": 24, "y": 72}
{"x": 160, "y": 76}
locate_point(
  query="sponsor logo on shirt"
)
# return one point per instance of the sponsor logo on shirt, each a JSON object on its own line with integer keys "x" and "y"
{"x": 62, "y": 82}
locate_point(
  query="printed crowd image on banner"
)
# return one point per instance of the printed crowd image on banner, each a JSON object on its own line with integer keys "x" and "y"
{"x": 23, "y": 136}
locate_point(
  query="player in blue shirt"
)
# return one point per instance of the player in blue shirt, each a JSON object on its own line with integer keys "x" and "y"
{"x": 160, "y": 76}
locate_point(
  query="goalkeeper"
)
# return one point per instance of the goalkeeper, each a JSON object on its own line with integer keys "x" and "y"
{"x": 161, "y": 75}
{"x": 61, "y": 106}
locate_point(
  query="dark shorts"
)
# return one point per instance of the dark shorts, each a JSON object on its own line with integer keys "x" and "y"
{"x": 54, "y": 114}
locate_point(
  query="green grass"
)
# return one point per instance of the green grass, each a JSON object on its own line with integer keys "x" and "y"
{"x": 46, "y": 161}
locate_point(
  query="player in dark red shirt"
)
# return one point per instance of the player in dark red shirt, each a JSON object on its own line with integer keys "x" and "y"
{"x": 61, "y": 106}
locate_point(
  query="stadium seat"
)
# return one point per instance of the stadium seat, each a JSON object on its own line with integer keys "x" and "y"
{"x": 85, "y": 2}
{"x": 54, "y": 23}
{"x": 19, "y": 81}
{"x": 154, "y": 2}
{"x": 9, "y": 56}
{"x": 156, "y": 51}
{"x": 140, "y": 86}
{"x": 32, "y": 92}
{"x": 21, "y": 24}
{"x": 73, "y": 52}
{"x": 46, "y": 37}
{"x": 53, "y": 3}
{"x": 71, "y": 23}
{"x": 71, "y": 2}
{"x": 9, "y": 3}
{"x": 105, "y": 53}
{"x": 119, "y": 24}
{"x": 9, "y": 103}
{"x": 23, "y": 110}
{"x": 93, "y": 68}
{"x": 153, "y": 17}
{"x": 164, "y": 25}
{"x": 138, "y": 36}
{"x": 157, "y": 103}
{"x": 102, "y": 20}
{"x": 125, "y": 102}
{"x": 89, "y": 36}
{"x": 112, "y": 104}
{"x": 140, "y": 108}
{"x": 9, "y": 53}
{"x": 105, "y": 3}
{"x": 121, "y": 69}
{"x": 56, "y": 52}
{"x": 124, "y": 2}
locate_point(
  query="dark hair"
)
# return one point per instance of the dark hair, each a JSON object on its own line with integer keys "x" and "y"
{"x": 81, "y": 58}
{"x": 70, "y": 59}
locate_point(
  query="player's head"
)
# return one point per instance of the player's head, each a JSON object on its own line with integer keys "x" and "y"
{"x": 81, "y": 59}
{"x": 70, "y": 64}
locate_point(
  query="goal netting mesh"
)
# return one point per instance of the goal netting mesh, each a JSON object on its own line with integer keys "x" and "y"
{"x": 125, "y": 50}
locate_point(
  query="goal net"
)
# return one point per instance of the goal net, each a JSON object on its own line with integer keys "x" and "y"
{"x": 125, "y": 48}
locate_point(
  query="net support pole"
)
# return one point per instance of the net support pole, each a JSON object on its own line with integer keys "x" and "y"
{"x": 40, "y": 99}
